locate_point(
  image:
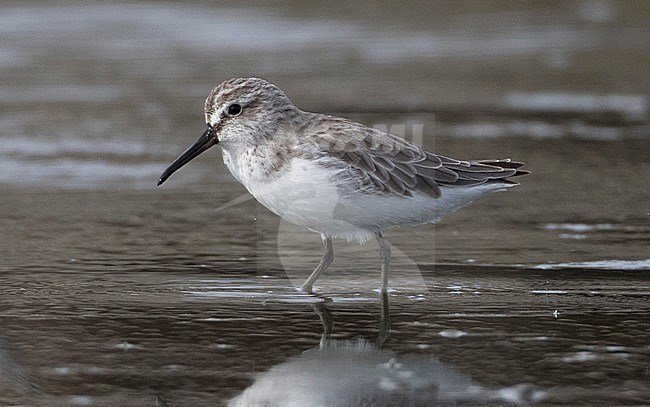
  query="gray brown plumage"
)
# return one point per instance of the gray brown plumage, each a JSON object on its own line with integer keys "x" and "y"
{"x": 332, "y": 175}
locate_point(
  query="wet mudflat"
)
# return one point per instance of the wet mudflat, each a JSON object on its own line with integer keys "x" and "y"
{"x": 119, "y": 297}
{"x": 116, "y": 293}
{"x": 200, "y": 338}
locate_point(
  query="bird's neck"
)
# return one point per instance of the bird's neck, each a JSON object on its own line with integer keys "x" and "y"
{"x": 258, "y": 163}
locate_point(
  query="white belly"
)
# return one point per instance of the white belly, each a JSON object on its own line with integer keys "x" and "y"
{"x": 306, "y": 195}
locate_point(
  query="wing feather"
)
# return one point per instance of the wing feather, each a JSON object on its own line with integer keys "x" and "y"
{"x": 395, "y": 166}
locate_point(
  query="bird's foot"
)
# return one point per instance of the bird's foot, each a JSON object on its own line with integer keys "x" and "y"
{"x": 308, "y": 289}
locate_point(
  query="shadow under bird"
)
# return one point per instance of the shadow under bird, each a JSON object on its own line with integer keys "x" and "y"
{"x": 334, "y": 176}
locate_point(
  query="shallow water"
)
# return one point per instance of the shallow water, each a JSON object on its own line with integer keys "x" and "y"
{"x": 476, "y": 335}
{"x": 115, "y": 292}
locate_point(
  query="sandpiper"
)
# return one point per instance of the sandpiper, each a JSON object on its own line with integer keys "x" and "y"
{"x": 331, "y": 175}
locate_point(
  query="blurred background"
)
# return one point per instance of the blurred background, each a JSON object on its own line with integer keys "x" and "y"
{"x": 100, "y": 95}
{"x": 97, "y": 98}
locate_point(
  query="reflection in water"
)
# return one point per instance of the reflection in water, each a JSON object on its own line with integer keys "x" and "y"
{"x": 160, "y": 402}
{"x": 13, "y": 377}
{"x": 124, "y": 338}
{"x": 346, "y": 373}
{"x": 107, "y": 294}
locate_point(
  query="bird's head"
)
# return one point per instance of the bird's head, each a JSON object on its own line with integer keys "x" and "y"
{"x": 239, "y": 113}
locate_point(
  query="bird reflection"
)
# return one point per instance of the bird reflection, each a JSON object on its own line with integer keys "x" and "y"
{"x": 360, "y": 373}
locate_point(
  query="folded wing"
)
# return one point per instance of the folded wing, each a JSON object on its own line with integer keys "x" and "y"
{"x": 393, "y": 165}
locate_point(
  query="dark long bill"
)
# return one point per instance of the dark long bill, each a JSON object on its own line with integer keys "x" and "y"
{"x": 207, "y": 140}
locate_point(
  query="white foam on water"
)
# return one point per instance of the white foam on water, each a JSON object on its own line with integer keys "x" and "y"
{"x": 539, "y": 129}
{"x": 192, "y": 28}
{"x": 127, "y": 346}
{"x": 82, "y": 401}
{"x": 583, "y": 356}
{"x": 633, "y": 106}
{"x": 55, "y": 147}
{"x": 600, "y": 264}
{"x": 62, "y": 371}
{"x": 81, "y": 163}
{"x": 574, "y": 236}
{"x": 78, "y": 173}
{"x": 74, "y": 93}
{"x": 452, "y": 333}
{"x": 585, "y": 227}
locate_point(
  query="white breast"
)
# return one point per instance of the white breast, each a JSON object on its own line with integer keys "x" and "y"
{"x": 305, "y": 193}
{"x": 302, "y": 193}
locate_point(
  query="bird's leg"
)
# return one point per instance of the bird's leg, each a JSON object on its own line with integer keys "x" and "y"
{"x": 384, "y": 322}
{"x": 384, "y": 252}
{"x": 327, "y": 259}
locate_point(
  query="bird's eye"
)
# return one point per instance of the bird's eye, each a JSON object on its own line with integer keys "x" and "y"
{"x": 234, "y": 109}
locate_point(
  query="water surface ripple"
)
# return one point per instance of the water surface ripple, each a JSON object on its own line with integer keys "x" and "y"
{"x": 116, "y": 293}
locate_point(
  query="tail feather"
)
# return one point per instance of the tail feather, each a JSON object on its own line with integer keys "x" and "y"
{"x": 484, "y": 171}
